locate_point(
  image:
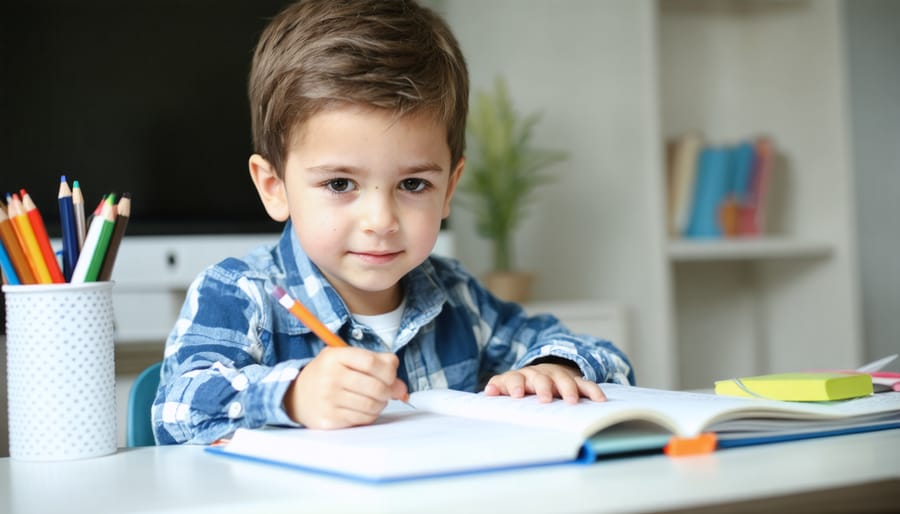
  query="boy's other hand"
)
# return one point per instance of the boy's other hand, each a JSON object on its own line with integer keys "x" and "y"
{"x": 546, "y": 380}
{"x": 343, "y": 387}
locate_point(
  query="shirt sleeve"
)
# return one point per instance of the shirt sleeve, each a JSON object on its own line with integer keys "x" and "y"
{"x": 513, "y": 340}
{"x": 219, "y": 371}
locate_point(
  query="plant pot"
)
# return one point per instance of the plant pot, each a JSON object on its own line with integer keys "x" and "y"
{"x": 512, "y": 286}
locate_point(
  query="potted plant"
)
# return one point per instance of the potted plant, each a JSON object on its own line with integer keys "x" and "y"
{"x": 503, "y": 171}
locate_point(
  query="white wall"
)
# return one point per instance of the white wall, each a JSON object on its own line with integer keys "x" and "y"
{"x": 873, "y": 49}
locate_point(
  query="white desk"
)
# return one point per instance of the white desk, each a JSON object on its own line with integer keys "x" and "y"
{"x": 184, "y": 478}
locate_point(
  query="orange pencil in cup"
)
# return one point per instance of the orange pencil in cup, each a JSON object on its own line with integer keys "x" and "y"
{"x": 312, "y": 322}
{"x": 27, "y": 239}
{"x": 43, "y": 240}
{"x": 14, "y": 249}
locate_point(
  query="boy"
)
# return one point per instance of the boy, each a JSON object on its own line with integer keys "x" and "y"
{"x": 358, "y": 112}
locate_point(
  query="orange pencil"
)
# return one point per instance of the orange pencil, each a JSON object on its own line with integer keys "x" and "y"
{"x": 14, "y": 249}
{"x": 27, "y": 239}
{"x": 43, "y": 240}
{"x": 310, "y": 320}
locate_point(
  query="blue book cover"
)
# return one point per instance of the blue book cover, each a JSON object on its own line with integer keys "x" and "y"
{"x": 711, "y": 188}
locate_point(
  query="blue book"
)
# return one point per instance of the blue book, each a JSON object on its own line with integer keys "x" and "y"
{"x": 711, "y": 189}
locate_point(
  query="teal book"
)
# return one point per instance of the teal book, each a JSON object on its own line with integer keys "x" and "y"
{"x": 711, "y": 189}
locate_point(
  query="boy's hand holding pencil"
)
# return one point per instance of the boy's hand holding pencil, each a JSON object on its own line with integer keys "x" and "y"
{"x": 342, "y": 386}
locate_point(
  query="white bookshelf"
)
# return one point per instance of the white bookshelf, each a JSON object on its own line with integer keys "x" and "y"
{"x": 734, "y": 70}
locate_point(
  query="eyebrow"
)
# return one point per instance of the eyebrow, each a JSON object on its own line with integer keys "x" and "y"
{"x": 419, "y": 167}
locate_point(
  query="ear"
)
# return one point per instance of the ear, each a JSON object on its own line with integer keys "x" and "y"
{"x": 270, "y": 188}
{"x": 451, "y": 186}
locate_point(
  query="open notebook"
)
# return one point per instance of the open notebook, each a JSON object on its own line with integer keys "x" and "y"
{"x": 451, "y": 432}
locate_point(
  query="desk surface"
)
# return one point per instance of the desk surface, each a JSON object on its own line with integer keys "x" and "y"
{"x": 185, "y": 478}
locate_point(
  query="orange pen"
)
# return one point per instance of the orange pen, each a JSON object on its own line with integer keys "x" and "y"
{"x": 310, "y": 320}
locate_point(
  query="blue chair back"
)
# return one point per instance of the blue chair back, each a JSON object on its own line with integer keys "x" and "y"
{"x": 138, "y": 426}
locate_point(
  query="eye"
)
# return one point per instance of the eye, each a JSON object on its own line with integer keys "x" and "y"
{"x": 414, "y": 185}
{"x": 339, "y": 185}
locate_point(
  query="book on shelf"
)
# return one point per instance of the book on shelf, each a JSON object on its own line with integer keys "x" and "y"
{"x": 683, "y": 152}
{"x": 451, "y": 432}
{"x": 717, "y": 191}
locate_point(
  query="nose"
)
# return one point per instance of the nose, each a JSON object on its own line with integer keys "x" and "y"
{"x": 379, "y": 213}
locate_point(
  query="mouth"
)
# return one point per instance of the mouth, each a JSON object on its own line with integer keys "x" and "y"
{"x": 377, "y": 257}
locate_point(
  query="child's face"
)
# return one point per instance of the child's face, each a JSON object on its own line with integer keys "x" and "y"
{"x": 366, "y": 194}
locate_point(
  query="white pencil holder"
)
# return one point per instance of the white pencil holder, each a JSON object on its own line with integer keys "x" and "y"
{"x": 61, "y": 373}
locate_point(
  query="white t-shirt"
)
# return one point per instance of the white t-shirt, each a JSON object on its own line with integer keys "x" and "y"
{"x": 385, "y": 325}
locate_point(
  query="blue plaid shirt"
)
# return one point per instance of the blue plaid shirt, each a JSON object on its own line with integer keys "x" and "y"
{"x": 235, "y": 350}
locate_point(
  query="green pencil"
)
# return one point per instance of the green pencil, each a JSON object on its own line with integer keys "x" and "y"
{"x": 95, "y": 243}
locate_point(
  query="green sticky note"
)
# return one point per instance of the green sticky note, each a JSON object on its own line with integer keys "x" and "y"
{"x": 799, "y": 387}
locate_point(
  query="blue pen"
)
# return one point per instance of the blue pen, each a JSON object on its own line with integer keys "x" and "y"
{"x": 6, "y": 265}
{"x": 71, "y": 248}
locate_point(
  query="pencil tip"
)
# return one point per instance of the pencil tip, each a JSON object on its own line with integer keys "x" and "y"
{"x": 62, "y": 178}
{"x": 278, "y": 292}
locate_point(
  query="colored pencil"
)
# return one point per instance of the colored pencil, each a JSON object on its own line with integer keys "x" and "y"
{"x": 27, "y": 239}
{"x": 123, "y": 214}
{"x": 311, "y": 321}
{"x": 95, "y": 244}
{"x": 14, "y": 249}
{"x": 78, "y": 207}
{"x": 8, "y": 270}
{"x": 307, "y": 318}
{"x": 43, "y": 240}
{"x": 69, "y": 226}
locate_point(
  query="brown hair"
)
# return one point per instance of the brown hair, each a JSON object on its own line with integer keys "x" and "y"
{"x": 390, "y": 54}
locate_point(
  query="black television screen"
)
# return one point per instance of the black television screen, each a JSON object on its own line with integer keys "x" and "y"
{"x": 143, "y": 96}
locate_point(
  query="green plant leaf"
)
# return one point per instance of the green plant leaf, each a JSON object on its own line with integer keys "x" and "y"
{"x": 503, "y": 169}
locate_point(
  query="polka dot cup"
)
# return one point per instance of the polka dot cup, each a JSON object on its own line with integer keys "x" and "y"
{"x": 60, "y": 371}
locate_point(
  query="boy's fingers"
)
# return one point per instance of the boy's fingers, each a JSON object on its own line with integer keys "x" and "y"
{"x": 543, "y": 386}
{"x": 382, "y": 366}
{"x": 568, "y": 388}
{"x": 399, "y": 391}
{"x": 590, "y": 390}
{"x": 510, "y": 384}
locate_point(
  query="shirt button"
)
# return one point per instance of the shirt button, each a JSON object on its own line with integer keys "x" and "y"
{"x": 356, "y": 333}
{"x": 235, "y": 410}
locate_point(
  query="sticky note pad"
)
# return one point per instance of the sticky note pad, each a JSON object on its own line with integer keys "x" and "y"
{"x": 799, "y": 387}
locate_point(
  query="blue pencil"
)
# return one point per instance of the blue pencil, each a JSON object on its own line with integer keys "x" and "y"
{"x": 71, "y": 248}
{"x": 6, "y": 265}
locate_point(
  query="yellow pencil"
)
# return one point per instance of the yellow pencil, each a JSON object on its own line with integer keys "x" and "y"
{"x": 27, "y": 239}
